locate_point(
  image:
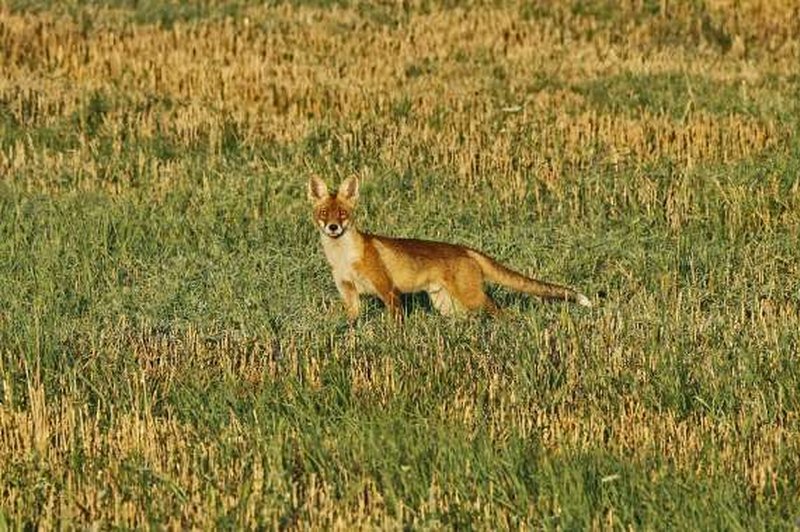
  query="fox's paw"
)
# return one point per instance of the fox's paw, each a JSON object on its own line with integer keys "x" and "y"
{"x": 583, "y": 300}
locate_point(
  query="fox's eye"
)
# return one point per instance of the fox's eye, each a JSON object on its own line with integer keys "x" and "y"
{"x": 342, "y": 214}
{"x": 323, "y": 213}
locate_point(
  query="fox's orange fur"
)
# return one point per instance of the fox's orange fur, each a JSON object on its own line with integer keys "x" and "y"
{"x": 451, "y": 274}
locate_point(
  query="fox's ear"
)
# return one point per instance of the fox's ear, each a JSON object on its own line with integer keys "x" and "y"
{"x": 317, "y": 189}
{"x": 348, "y": 190}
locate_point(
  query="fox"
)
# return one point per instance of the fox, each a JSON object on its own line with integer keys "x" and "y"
{"x": 452, "y": 275}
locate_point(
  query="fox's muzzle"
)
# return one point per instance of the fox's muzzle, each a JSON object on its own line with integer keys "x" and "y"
{"x": 333, "y": 230}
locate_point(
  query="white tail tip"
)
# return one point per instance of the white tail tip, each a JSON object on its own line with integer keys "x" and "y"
{"x": 583, "y": 300}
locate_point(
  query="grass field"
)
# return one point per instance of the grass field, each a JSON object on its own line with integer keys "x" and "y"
{"x": 173, "y": 352}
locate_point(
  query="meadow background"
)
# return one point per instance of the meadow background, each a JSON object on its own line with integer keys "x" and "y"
{"x": 172, "y": 348}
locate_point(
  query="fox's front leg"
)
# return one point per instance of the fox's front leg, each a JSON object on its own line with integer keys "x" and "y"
{"x": 391, "y": 298}
{"x": 349, "y": 295}
{"x": 386, "y": 291}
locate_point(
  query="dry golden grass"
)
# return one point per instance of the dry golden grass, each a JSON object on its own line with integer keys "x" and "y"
{"x": 167, "y": 460}
{"x": 460, "y": 69}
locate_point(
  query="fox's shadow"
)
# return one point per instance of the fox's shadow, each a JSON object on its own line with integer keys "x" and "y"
{"x": 408, "y": 302}
{"x": 420, "y": 301}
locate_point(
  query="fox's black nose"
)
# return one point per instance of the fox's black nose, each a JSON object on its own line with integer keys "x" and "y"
{"x": 333, "y": 227}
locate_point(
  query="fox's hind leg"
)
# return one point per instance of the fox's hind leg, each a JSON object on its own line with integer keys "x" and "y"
{"x": 442, "y": 300}
{"x": 490, "y": 306}
{"x": 467, "y": 288}
{"x": 474, "y": 299}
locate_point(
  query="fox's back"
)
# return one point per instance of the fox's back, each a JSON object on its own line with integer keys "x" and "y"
{"x": 420, "y": 249}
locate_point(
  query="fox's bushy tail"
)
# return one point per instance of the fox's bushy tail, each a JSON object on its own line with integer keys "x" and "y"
{"x": 497, "y": 273}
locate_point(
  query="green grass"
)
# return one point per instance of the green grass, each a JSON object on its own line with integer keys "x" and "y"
{"x": 240, "y": 258}
{"x": 195, "y": 363}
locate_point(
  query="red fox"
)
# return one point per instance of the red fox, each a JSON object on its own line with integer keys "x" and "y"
{"x": 452, "y": 275}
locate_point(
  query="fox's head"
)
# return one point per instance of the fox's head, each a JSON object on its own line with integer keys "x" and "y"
{"x": 332, "y": 212}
